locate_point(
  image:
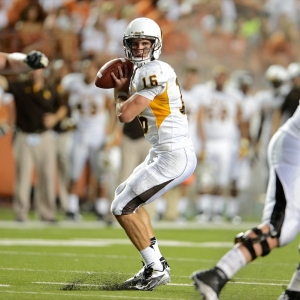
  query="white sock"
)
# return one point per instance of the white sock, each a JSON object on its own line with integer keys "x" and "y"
{"x": 232, "y": 262}
{"x": 154, "y": 245}
{"x": 204, "y": 204}
{"x": 150, "y": 258}
{"x": 218, "y": 204}
{"x": 102, "y": 206}
{"x": 295, "y": 281}
{"x": 232, "y": 207}
{"x": 160, "y": 205}
{"x": 73, "y": 203}
{"x": 182, "y": 205}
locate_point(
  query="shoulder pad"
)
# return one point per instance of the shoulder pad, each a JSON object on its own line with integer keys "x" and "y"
{"x": 152, "y": 74}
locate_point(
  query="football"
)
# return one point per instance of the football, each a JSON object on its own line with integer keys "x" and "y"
{"x": 104, "y": 79}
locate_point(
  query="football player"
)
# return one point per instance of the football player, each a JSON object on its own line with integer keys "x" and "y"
{"x": 153, "y": 94}
{"x": 89, "y": 107}
{"x": 193, "y": 94}
{"x": 268, "y": 101}
{"x": 280, "y": 221}
{"x": 241, "y": 82}
{"x": 20, "y": 62}
{"x": 219, "y": 124}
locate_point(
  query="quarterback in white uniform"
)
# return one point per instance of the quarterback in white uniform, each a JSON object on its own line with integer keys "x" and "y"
{"x": 89, "y": 107}
{"x": 153, "y": 94}
{"x": 280, "y": 221}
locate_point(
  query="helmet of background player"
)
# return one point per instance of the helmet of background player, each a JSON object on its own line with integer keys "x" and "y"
{"x": 294, "y": 70}
{"x": 142, "y": 28}
{"x": 276, "y": 75}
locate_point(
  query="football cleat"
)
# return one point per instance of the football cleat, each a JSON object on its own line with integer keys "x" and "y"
{"x": 133, "y": 281}
{"x": 209, "y": 282}
{"x": 151, "y": 279}
{"x": 166, "y": 267}
{"x": 290, "y": 295}
{"x": 73, "y": 217}
{"x": 137, "y": 278}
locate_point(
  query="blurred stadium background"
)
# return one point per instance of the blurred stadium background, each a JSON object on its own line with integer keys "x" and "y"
{"x": 239, "y": 34}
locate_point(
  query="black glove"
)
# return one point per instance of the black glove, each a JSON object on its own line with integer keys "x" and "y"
{"x": 36, "y": 60}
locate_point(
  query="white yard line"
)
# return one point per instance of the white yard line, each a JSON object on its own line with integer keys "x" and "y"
{"x": 106, "y": 243}
{"x": 172, "y": 284}
{"x": 96, "y": 225}
{"x": 89, "y": 295}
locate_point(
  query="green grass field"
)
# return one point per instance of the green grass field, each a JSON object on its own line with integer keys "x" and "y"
{"x": 87, "y": 260}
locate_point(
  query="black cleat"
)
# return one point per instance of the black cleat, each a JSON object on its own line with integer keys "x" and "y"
{"x": 152, "y": 279}
{"x": 137, "y": 279}
{"x": 133, "y": 281}
{"x": 290, "y": 295}
{"x": 209, "y": 282}
{"x": 166, "y": 266}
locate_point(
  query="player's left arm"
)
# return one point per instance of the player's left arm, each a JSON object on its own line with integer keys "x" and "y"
{"x": 244, "y": 131}
{"x": 127, "y": 110}
{"x": 21, "y": 63}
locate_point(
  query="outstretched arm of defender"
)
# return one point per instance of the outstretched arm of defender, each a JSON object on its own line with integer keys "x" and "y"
{"x": 20, "y": 63}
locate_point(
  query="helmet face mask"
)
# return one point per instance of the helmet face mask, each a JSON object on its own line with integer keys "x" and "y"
{"x": 142, "y": 29}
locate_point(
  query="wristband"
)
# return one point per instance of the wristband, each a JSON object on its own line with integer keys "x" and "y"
{"x": 17, "y": 56}
{"x": 122, "y": 94}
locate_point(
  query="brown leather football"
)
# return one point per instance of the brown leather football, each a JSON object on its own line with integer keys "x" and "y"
{"x": 104, "y": 79}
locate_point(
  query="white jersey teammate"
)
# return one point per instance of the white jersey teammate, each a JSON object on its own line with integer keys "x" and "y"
{"x": 154, "y": 95}
{"x": 89, "y": 106}
{"x": 220, "y": 117}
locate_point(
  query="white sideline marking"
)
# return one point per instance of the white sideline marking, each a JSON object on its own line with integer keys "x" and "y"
{"x": 86, "y": 284}
{"x": 106, "y": 243}
{"x": 86, "y": 295}
{"x": 172, "y": 284}
{"x": 4, "y": 285}
{"x": 66, "y": 254}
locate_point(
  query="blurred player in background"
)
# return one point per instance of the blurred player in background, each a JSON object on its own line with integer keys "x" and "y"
{"x": 92, "y": 110}
{"x": 13, "y": 63}
{"x": 291, "y": 101}
{"x": 38, "y": 110}
{"x": 220, "y": 122}
{"x": 63, "y": 129}
{"x": 269, "y": 100}
{"x": 241, "y": 82}
{"x": 153, "y": 94}
{"x": 21, "y": 63}
{"x": 192, "y": 93}
{"x": 280, "y": 221}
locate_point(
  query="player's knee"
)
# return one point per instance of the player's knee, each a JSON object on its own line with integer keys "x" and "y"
{"x": 119, "y": 189}
{"x": 256, "y": 236}
{"x": 114, "y": 208}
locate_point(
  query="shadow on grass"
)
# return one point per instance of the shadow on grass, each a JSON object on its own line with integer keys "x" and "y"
{"x": 98, "y": 281}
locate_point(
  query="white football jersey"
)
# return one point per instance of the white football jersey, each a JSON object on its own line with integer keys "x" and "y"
{"x": 87, "y": 103}
{"x": 164, "y": 121}
{"x": 221, "y": 109}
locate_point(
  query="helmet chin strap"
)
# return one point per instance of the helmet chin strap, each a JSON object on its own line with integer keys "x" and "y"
{"x": 143, "y": 60}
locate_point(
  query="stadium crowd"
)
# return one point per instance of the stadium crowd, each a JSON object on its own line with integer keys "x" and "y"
{"x": 243, "y": 49}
